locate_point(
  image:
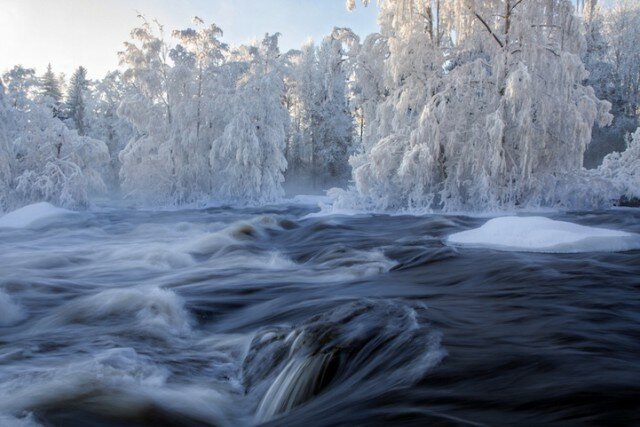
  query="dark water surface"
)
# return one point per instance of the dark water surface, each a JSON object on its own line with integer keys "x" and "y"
{"x": 237, "y": 317}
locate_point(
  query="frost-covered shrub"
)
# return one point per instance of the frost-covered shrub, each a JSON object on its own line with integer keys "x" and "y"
{"x": 623, "y": 170}
{"x": 58, "y": 166}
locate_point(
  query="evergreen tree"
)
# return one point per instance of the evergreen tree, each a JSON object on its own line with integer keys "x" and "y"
{"x": 51, "y": 90}
{"x": 75, "y": 103}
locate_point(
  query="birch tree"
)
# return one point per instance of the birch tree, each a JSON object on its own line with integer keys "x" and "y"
{"x": 487, "y": 112}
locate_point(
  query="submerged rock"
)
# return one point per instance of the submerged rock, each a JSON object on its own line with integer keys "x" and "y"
{"x": 357, "y": 342}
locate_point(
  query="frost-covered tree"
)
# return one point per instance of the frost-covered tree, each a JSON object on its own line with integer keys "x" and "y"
{"x": 51, "y": 91}
{"x": 199, "y": 98}
{"x": 612, "y": 58}
{"x": 595, "y": 55}
{"x": 333, "y": 133}
{"x": 486, "y": 107}
{"x": 103, "y": 122}
{"x": 76, "y": 101}
{"x": 51, "y": 85}
{"x": 248, "y": 158}
{"x": 6, "y": 152}
{"x": 299, "y": 85}
{"x": 368, "y": 90}
{"x": 178, "y": 107}
{"x": 22, "y": 86}
{"x": 201, "y": 50}
{"x": 321, "y": 141}
{"x": 55, "y": 164}
{"x": 148, "y": 164}
{"x": 42, "y": 160}
{"x": 623, "y": 33}
{"x": 198, "y": 109}
{"x": 397, "y": 72}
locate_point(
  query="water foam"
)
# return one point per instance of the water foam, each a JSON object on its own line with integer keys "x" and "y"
{"x": 32, "y": 215}
{"x": 114, "y": 368}
{"x": 11, "y": 313}
{"x": 351, "y": 263}
{"x": 149, "y": 311}
{"x": 117, "y": 382}
{"x": 23, "y": 421}
{"x": 152, "y": 256}
{"x": 232, "y": 246}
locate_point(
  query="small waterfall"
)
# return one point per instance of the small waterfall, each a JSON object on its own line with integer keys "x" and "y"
{"x": 364, "y": 345}
{"x": 301, "y": 379}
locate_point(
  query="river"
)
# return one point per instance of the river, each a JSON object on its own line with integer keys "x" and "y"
{"x": 223, "y": 316}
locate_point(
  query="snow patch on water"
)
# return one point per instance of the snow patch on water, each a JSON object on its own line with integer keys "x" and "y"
{"x": 32, "y": 215}
{"x": 540, "y": 234}
{"x": 10, "y": 312}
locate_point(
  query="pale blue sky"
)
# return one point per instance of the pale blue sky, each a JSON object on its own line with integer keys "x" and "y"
{"x": 69, "y": 33}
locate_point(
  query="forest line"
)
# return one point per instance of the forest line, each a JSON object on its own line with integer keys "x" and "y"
{"x": 454, "y": 105}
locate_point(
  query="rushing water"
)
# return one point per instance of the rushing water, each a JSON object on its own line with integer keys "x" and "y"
{"x": 223, "y": 317}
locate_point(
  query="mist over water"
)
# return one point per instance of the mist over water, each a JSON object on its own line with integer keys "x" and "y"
{"x": 226, "y": 317}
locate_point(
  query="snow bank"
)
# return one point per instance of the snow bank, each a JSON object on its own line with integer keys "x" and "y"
{"x": 539, "y": 234}
{"x": 32, "y": 215}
